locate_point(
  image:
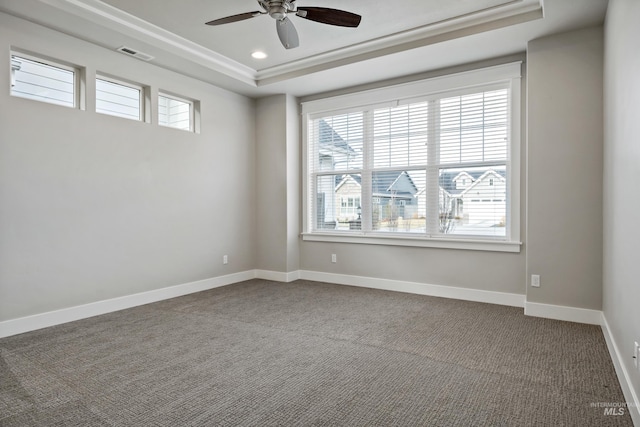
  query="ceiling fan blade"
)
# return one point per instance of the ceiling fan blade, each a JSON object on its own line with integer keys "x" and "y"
{"x": 234, "y": 18}
{"x": 325, "y": 15}
{"x": 287, "y": 33}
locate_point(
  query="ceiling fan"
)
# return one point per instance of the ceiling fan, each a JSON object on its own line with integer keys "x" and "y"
{"x": 287, "y": 33}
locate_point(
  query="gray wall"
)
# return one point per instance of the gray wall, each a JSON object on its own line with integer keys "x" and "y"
{"x": 492, "y": 271}
{"x": 564, "y": 182}
{"x": 277, "y": 183}
{"x": 271, "y": 189}
{"x": 621, "y": 176}
{"x": 96, "y": 207}
{"x": 294, "y": 184}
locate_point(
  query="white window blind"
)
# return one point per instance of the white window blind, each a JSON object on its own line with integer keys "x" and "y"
{"x": 41, "y": 80}
{"x": 437, "y": 165}
{"x": 473, "y": 162}
{"x": 118, "y": 99}
{"x": 338, "y": 145}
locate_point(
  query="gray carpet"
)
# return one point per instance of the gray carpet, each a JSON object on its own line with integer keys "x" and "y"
{"x": 262, "y": 353}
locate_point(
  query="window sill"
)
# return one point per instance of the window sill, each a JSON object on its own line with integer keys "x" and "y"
{"x": 395, "y": 240}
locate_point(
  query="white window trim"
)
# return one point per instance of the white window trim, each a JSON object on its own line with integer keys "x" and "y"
{"x": 131, "y": 85}
{"x": 76, "y": 70}
{"x": 15, "y": 66}
{"x": 404, "y": 93}
{"x": 390, "y": 239}
{"x": 192, "y": 112}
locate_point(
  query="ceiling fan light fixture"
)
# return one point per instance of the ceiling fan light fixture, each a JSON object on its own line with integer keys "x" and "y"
{"x": 278, "y": 12}
{"x": 258, "y": 54}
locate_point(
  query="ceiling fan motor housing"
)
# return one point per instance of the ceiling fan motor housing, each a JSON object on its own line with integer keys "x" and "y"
{"x": 278, "y": 9}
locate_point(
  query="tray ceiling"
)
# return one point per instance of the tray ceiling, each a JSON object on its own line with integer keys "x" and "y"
{"x": 391, "y": 41}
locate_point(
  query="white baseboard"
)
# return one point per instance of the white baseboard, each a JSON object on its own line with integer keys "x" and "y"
{"x": 492, "y": 297}
{"x": 52, "y": 318}
{"x": 633, "y": 403}
{"x": 278, "y": 276}
{"x": 561, "y": 312}
{"x": 43, "y": 320}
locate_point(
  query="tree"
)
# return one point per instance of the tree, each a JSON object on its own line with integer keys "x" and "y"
{"x": 446, "y": 212}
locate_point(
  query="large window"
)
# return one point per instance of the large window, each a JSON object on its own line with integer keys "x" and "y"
{"x": 437, "y": 165}
{"x": 43, "y": 80}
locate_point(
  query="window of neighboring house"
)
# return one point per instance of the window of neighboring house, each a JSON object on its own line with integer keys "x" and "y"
{"x": 43, "y": 80}
{"x": 404, "y": 158}
{"x": 175, "y": 112}
{"x": 117, "y": 98}
{"x": 349, "y": 208}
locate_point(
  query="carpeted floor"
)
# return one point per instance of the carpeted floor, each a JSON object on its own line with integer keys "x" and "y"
{"x": 262, "y": 353}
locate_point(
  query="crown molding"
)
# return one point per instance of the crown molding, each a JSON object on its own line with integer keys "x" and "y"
{"x": 108, "y": 16}
{"x": 511, "y": 13}
{"x": 500, "y": 16}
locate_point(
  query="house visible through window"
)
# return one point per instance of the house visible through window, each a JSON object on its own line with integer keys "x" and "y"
{"x": 42, "y": 80}
{"x": 433, "y": 165}
{"x": 349, "y": 208}
{"x": 174, "y": 112}
{"x": 118, "y": 98}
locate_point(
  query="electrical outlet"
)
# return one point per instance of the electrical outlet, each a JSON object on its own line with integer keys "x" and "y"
{"x": 636, "y": 354}
{"x": 225, "y": 259}
{"x": 535, "y": 280}
{"x": 334, "y": 258}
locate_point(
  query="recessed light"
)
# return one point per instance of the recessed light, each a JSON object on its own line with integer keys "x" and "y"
{"x": 259, "y": 54}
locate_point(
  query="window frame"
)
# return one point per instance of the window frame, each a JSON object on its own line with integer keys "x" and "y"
{"x": 508, "y": 75}
{"x": 47, "y": 61}
{"x": 192, "y": 110}
{"x": 120, "y": 82}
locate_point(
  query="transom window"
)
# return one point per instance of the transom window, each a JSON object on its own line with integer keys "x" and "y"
{"x": 441, "y": 164}
{"x": 43, "y": 80}
{"x": 117, "y": 98}
{"x": 175, "y": 112}
{"x": 56, "y": 82}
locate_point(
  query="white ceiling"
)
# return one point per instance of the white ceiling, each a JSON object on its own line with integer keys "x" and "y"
{"x": 413, "y": 37}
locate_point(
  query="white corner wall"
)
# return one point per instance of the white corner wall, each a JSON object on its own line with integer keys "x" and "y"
{"x": 621, "y": 304}
{"x": 95, "y": 207}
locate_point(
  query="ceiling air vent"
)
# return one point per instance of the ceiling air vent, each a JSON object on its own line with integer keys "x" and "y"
{"x": 135, "y": 53}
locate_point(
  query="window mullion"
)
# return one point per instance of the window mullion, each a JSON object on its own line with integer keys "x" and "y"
{"x": 433, "y": 159}
{"x": 313, "y": 165}
{"x": 313, "y": 202}
{"x": 367, "y": 164}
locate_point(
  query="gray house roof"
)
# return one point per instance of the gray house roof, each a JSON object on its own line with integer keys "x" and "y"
{"x": 447, "y": 179}
{"x": 386, "y": 184}
{"x": 329, "y": 140}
